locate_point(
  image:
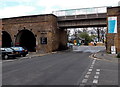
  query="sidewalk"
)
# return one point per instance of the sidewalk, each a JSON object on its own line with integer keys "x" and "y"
{"x": 105, "y": 56}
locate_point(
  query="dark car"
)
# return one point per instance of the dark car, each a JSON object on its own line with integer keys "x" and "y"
{"x": 20, "y": 50}
{"x": 7, "y": 53}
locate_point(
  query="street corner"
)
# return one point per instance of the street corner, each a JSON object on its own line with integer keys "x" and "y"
{"x": 104, "y": 56}
{"x": 94, "y": 56}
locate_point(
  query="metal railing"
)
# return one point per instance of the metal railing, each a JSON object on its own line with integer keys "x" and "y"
{"x": 81, "y": 11}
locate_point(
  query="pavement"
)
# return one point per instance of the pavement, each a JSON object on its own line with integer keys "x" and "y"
{"x": 102, "y": 55}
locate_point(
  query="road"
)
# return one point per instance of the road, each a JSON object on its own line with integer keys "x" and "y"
{"x": 63, "y": 68}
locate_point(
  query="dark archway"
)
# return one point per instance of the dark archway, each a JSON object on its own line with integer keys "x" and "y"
{"x": 26, "y": 38}
{"x": 6, "y": 39}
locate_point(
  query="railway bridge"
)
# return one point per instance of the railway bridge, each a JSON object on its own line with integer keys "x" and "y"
{"x": 47, "y": 32}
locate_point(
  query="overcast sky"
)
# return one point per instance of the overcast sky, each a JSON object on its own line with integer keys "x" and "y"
{"x": 14, "y": 8}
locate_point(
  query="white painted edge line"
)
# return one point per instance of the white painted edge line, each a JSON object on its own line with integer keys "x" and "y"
{"x": 97, "y": 73}
{"x": 87, "y": 76}
{"x": 98, "y": 70}
{"x": 96, "y": 77}
{"x": 93, "y": 62}
{"x": 95, "y": 81}
{"x": 88, "y": 72}
{"x": 84, "y": 80}
{"x": 91, "y": 67}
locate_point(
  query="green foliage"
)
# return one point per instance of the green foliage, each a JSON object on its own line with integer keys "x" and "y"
{"x": 93, "y": 37}
{"x": 85, "y": 36}
{"x": 118, "y": 55}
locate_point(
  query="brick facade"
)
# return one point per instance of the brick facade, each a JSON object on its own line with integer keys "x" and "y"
{"x": 113, "y": 39}
{"x": 40, "y": 26}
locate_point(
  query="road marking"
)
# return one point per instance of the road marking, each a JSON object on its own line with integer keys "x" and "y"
{"x": 90, "y": 70}
{"x": 91, "y": 67}
{"x": 84, "y": 80}
{"x": 93, "y": 62}
{"x": 96, "y": 77}
{"x": 98, "y": 70}
{"x": 87, "y": 76}
{"x": 95, "y": 81}
{"x": 97, "y": 73}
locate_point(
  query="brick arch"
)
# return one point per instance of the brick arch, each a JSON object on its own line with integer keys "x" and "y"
{"x": 6, "y": 39}
{"x": 26, "y": 38}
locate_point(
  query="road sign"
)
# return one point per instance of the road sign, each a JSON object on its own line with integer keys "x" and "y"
{"x": 112, "y": 24}
{"x": 113, "y": 50}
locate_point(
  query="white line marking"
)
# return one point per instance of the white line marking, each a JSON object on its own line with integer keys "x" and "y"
{"x": 97, "y": 69}
{"x": 93, "y": 62}
{"x": 84, "y": 80}
{"x": 95, "y": 81}
{"x": 91, "y": 67}
{"x": 97, "y": 72}
{"x": 96, "y": 77}
{"x": 88, "y": 72}
{"x": 87, "y": 76}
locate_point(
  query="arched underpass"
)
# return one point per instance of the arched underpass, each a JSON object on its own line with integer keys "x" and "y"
{"x": 6, "y": 39}
{"x": 26, "y": 38}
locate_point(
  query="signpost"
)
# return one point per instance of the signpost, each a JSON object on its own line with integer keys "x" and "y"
{"x": 112, "y": 24}
{"x": 113, "y": 50}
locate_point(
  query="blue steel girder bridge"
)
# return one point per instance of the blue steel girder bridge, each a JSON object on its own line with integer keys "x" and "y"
{"x": 80, "y": 18}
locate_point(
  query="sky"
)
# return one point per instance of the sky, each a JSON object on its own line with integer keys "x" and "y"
{"x": 15, "y": 8}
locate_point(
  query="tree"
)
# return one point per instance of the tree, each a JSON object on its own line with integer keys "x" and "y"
{"x": 101, "y": 31}
{"x": 86, "y": 37}
{"x": 93, "y": 37}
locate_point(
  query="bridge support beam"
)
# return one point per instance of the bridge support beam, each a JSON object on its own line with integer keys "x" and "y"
{"x": 63, "y": 39}
{"x": 113, "y": 38}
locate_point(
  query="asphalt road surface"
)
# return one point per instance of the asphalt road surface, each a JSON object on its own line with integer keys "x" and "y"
{"x": 64, "y": 68}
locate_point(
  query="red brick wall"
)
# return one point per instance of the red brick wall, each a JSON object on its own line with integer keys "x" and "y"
{"x": 39, "y": 25}
{"x": 114, "y": 39}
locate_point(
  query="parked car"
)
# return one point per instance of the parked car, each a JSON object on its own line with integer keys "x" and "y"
{"x": 20, "y": 50}
{"x": 8, "y": 52}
